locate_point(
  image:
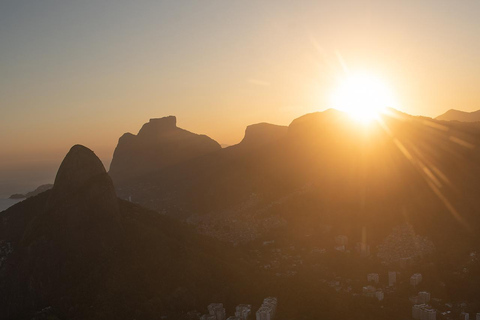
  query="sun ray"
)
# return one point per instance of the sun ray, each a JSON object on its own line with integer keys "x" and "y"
{"x": 363, "y": 96}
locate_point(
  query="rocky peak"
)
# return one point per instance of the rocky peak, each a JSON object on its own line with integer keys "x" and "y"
{"x": 158, "y": 126}
{"x": 263, "y": 133}
{"x": 159, "y": 143}
{"x": 83, "y": 176}
{"x": 68, "y": 236}
{"x": 317, "y": 119}
{"x": 78, "y": 167}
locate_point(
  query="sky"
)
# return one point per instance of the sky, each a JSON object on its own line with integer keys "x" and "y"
{"x": 88, "y": 71}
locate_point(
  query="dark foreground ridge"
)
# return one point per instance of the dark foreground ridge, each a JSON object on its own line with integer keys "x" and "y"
{"x": 82, "y": 253}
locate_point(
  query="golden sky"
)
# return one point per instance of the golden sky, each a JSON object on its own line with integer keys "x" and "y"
{"x": 88, "y": 71}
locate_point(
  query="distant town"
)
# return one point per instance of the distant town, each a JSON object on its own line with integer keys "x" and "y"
{"x": 282, "y": 262}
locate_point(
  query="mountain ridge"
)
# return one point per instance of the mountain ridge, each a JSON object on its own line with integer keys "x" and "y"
{"x": 38, "y": 190}
{"x": 458, "y": 115}
{"x": 159, "y": 143}
{"x": 324, "y": 150}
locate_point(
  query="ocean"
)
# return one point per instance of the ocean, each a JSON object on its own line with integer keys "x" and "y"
{"x": 7, "y": 203}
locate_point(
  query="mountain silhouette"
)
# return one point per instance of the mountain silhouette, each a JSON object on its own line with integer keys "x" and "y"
{"x": 457, "y": 115}
{"x": 83, "y": 253}
{"x": 257, "y": 135}
{"x": 328, "y": 169}
{"x": 158, "y": 144}
{"x": 40, "y": 189}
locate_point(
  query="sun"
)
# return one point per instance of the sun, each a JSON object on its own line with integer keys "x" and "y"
{"x": 363, "y": 96}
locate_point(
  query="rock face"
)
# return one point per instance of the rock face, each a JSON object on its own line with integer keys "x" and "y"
{"x": 158, "y": 144}
{"x": 78, "y": 167}
{"x": 260, "y": 134}
{"x": 457, "y": 115}
{"x": 82, "y": 172}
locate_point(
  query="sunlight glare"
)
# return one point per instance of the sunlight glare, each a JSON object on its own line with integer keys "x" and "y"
{"x": 363, "y": 96}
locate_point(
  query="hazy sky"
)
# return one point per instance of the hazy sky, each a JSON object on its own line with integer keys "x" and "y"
{"x": 88, "y": 71}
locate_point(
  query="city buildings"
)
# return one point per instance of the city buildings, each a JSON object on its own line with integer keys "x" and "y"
{"x": 217, "y": 310}
{"x": 423, "y": 312}
{"x": 242, "y": 311}
{"x": 373, "y": 277}
{"x": 271, "y": 302}
{"x": 341, "y": 240}
{"x": 268, "y": 309}
{"x": 424, "y": 297}
{"x": 415, "y": 279}
{"x": 264, "y": 313}
{"x": 363, "y": 249}
{"x": 392, "y": 278}
{"x": 379, "y": 295}
{"x": 429, "y": 314}
{"x": 464, "y": 316}
{"x": 369, "y": 291}
{"x": 416, "y": 311}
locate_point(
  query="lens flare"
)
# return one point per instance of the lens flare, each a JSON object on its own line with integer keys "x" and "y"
{"x": 363, "y": 96}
